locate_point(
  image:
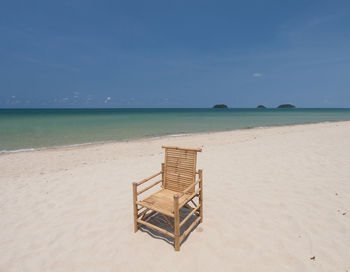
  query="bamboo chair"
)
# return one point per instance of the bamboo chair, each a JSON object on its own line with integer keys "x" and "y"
{"x": 179, "y": 188}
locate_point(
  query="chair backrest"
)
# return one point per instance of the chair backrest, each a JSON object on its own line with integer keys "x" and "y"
{"x": 180, "y": 167}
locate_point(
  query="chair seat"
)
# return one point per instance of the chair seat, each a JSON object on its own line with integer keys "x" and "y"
{"x": 161, "y": 201}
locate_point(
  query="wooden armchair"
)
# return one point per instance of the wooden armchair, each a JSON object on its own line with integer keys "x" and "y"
{"x": 179, "y": 188}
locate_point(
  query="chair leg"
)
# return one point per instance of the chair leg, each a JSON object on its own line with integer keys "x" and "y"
{"x": 134, "y": 189}
{"x": 200, "y": 173}
{"x": 176, "y": 223}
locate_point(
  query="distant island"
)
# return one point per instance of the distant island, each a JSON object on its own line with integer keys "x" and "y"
{"x": 286, "y": 106}
{"x": 220, "y": 106}
{"x": 261, "y": 107}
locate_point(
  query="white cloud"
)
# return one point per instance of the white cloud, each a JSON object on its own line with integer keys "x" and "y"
{"x": 257, "y": 75}
{"x": 13, "y": 96}
{"x": 108, "y": 98}
{"x": 322, "y": 20}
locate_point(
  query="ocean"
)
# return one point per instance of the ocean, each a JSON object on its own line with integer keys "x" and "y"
{"x": 28, "y": 129}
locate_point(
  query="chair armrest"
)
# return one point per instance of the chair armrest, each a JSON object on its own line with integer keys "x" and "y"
{"x": 147, "y": 179}
{"x": 188, "y": 188}
{"x": 188, "y": 198}
{"x": 149, "y": 187}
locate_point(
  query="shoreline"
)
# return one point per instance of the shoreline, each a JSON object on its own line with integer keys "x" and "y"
{"x": 150, "y": 138}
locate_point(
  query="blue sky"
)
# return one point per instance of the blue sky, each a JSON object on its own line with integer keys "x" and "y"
{"x": 174, "y": 53}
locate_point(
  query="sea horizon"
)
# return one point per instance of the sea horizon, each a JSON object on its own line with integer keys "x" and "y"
{"x": 28, "y": 129}
{"x": 113, "y": 108}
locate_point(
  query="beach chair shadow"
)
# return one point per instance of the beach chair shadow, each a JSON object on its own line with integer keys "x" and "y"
{"x": 158, "y": 220}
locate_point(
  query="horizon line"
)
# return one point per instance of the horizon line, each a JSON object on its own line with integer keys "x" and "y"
{"x": 112, "y": 108}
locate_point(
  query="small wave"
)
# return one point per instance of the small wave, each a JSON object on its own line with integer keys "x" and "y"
{"x": 17, "y": 150}
{"x": 179, "y": 135}
{"x": 4, "y": 151}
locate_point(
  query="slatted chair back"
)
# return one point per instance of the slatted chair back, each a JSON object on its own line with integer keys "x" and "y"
{"x": 179, "y": 168}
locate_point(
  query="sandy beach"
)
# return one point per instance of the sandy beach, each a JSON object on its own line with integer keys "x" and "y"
{"x": 275, "y": 199}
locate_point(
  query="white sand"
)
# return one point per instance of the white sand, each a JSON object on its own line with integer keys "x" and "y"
{"x": 274, "y": 198}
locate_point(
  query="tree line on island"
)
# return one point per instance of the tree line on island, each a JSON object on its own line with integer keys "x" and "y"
{"x": 282, "y": 106}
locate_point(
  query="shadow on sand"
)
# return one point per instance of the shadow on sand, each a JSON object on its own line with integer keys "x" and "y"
{"x": 158, "y": 220}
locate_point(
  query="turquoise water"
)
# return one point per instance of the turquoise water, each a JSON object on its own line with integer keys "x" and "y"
{"x": 36, "y": 128}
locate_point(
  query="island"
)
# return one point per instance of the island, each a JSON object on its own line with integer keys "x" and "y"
{"x": 261, "y": 107}
{"x": 220, "y": 106}
{"x": 286, "y": 106}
